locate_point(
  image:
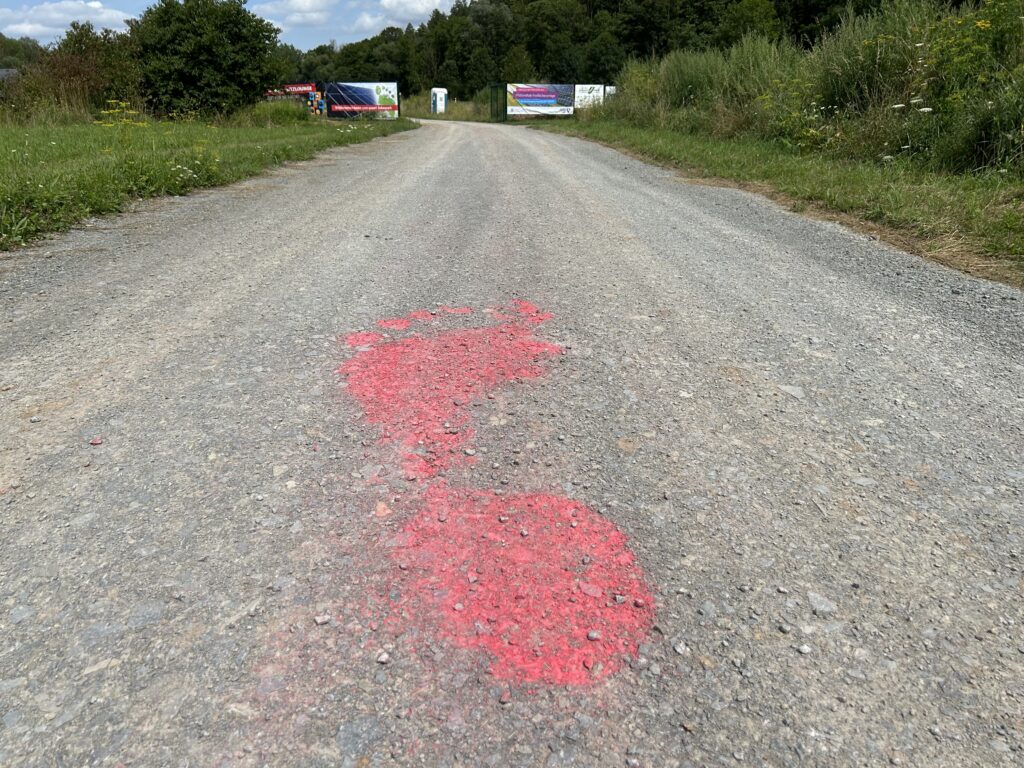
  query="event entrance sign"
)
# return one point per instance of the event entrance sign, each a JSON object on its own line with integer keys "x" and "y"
{"x": 524, "y": 99}
{"x": 351, "y": 100}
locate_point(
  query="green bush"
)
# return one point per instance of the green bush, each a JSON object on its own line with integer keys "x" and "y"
{"x": 913, "y": 80}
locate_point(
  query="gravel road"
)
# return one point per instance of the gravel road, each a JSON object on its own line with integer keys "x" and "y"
{"x": 812, "y": 444}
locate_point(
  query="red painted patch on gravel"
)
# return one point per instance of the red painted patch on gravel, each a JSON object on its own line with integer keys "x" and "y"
{"x": 547, "y": 587}
{"x": 422, "y": 315}
{"x": 362, "y": 339}
{"x": 418, "y": 389}
{"x": 395, "y": 323}
{"x": 544, "y": 584}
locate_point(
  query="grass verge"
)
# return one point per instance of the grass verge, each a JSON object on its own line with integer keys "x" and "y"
{"x": 52, "y": 177}
{"x": 973, "y": 222}
{"x": 475, "y": 110}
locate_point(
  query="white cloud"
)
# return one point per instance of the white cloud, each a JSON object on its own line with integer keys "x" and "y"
{"x": 368, "y": 22}
{"x": 48, "y": 21}
{"x": 297, "y": 13}
{"x": 411, "y": 10}
{"x": 393, "y": 13}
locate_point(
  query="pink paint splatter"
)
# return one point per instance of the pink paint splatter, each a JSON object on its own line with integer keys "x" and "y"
{"x": 542, "y": 583}
{"x": 547, "y": 587}
{"x": 417, "y": 388}
{"x": 422, "y": 315}
{"x": 395, "y": 323}
{"x": 362, "y": 339}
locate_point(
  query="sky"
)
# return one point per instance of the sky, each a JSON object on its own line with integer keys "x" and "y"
{"x": 303, "y": 23}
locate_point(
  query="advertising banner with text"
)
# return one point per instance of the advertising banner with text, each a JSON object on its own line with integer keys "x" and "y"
{"x": 351, "y": 100}
{"x": 525, "y": 99}
{"x": 589, "y": 95}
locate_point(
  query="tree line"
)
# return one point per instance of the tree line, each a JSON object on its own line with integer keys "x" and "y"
{"x": 214, "y": 56}
{"x": 570, "y": 41}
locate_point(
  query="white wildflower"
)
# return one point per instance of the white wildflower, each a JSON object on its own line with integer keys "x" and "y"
{"x": 926, "y": 110}
{"x": 899, "y": 106}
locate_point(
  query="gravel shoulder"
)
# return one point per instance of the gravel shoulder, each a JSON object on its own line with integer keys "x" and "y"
{"x": 814, "y": 442}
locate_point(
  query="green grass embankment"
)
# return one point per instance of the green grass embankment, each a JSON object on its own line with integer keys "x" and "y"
{"x": 53, "y": 176}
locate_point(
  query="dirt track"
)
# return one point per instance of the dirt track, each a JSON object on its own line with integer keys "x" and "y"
{"x": 794, "y": 457}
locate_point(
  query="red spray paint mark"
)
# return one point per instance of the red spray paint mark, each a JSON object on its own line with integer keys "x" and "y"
{"x": 362, "y": 339}
{"x": 418, "y": 388}
{"x": 547, "y": 587}
{"x": 457, "y": 310}
{"x": 422, "y": 315}
{"x": 542, "y": 583}
{"x": 395, "y": 323}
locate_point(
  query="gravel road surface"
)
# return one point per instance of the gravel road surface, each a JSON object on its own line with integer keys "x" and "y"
{"x": 795, "y": 458}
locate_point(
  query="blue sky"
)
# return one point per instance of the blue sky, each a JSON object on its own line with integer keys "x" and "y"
{"x": 303, "y": 23}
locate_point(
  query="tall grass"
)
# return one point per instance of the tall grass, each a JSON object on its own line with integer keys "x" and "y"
{"x": 52, "y": 176}
{"x": 914, "y": 80}
{"x": 477, "y": 109}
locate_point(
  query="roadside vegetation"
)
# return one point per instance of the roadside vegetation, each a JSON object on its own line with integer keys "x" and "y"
{"x": 53, "y": 176}
{"x": 911, "y": 117}
{"x": 476, "y": 109}
{"x": 101, "y": 118}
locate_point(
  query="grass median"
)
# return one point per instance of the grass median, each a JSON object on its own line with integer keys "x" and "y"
{"x": 53, "y": 176}
{"x": 973, "y": 222}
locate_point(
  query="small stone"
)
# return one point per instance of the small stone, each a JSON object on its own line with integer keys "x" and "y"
{"x": 460, "y": 607}
{"x": 591, "y": 590}
{"x": 524, "y": 533}
{"x": 96, "y": 441}
{"x": 321, "y": 620}
{"x": 469, "y": 452}
{"x": 804, "y": 649}
{"x": 820, "y": 604}
{"x": 383, "y": 657}
{"x": 681, "y": 648}
{"x": 797, "y": 392}
{"x": 593, "y": 635}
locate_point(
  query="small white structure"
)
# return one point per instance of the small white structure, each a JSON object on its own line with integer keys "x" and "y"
{"x": 438, "y": 101}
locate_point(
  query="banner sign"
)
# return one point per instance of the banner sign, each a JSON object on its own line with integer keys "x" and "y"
{"x": 350, "y": 100}
{"x": 539, "y": 99}
{"x": 300, "y": 88}
{"x": 589, "y": 95}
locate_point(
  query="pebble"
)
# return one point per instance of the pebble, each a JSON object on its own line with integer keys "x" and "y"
{"x": 321, "y": 620}
{"x": 797, "y": 392}
{"x": 804, "y": 649}
{"x": 383, "y": 657}
{"x": 820, "y": 604}
{"x": 593, "y": 635}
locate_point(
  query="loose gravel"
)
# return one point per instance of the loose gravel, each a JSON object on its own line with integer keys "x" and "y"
{"x": 814, "y": 443}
